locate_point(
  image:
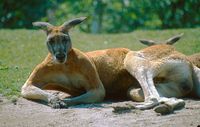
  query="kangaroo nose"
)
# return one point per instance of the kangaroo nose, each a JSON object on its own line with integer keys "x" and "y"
{"x": 60, "y": 56}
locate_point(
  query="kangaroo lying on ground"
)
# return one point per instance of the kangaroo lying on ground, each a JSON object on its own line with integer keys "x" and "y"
{"x": 194, "y": 58}
{"x": 159, "y": 70}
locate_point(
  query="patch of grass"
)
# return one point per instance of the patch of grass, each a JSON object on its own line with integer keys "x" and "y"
{"x": 21, "y": 50}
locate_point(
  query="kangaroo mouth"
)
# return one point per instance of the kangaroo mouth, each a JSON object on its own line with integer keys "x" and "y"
{"x": 61, "y": 61}
{"x": 60, "y": 58}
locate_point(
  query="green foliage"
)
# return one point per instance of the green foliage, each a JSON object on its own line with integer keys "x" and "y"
{"x": 105, "y": 16}
{"x": 178, "y": 13}
{"x": 22, "y": 50}
{"x": 17, "y": 14}
{"x": 127, "y": 15}
{"x": 112, "y": 16}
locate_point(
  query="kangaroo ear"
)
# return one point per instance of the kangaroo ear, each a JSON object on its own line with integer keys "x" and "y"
{"x": 148, "y": 42}
{"x": 43, "y": 25}
{"x": 69, "y": 24}
{"x": 174, "y": 39}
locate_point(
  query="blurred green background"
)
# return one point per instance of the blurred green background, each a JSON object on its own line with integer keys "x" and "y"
{"x": 105, "y": 16}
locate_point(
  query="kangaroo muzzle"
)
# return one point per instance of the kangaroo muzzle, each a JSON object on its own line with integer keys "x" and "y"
{"x": 60, "y": 57}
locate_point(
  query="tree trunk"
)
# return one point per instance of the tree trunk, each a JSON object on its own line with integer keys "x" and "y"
{"x": 97, "y": 16}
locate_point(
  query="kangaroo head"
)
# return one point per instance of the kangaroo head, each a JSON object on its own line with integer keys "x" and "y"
{"x": 169, "y": 41}
{"x": 58, "y": 40}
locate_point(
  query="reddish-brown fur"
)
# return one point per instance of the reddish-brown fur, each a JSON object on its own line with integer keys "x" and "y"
{"x": 194, "y": 58}
{"x": 111, "y": 70}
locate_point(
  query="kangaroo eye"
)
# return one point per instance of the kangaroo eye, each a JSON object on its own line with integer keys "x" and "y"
{"x": 50, "y": 41}
{"x": 65, "y": 39}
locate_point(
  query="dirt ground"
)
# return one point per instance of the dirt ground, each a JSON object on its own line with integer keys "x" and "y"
{"x": 24, "y": 113}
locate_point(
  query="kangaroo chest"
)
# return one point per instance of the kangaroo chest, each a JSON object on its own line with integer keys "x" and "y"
{"x": 73, "y": 81}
